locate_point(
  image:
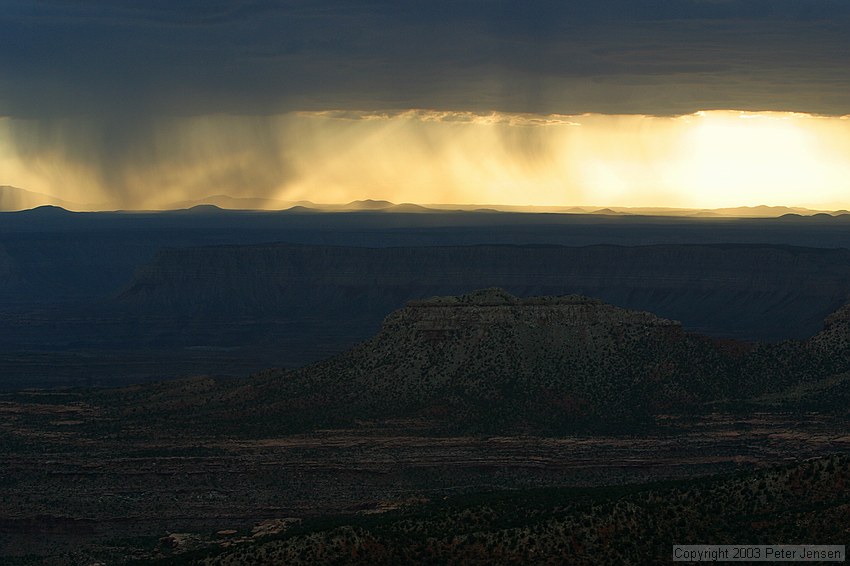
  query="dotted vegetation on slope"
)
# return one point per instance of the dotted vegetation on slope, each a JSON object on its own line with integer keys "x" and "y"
{"x": 489, "y": 362}
{"x": 797, "y": 504}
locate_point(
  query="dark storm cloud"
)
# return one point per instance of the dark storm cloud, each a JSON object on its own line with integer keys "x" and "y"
{"x": 118, "y": 59}
{"x": 140, "y": 103}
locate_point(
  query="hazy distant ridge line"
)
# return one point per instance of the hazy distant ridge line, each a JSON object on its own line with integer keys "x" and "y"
{"x": 14, "y": 199}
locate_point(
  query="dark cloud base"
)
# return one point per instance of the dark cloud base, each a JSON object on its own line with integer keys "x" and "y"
{"x": 98, "y": 83}
{"x": 123, "y": 61}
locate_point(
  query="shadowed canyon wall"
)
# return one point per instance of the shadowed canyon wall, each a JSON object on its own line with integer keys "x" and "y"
{"x": 750, "y": 292}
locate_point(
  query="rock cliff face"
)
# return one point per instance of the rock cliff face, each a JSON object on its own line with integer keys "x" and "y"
{"x": 494, "y": 311}
{"x": 746, "y": 291}
{"x": 497, "y": 307}
{"x": 219, "y": 294}
{"x": 488, "y": 360}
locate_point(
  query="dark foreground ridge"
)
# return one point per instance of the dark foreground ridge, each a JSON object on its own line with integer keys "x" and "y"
{"x": 566, "y": 408}
{"x": 626, "y": 525}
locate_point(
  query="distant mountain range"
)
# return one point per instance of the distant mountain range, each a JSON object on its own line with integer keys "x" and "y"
{"x": 762, "y": 211}
{"x": 15, "y": 199}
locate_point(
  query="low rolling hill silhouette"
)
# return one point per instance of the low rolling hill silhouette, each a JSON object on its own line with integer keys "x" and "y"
{"x": 17, "y": 199}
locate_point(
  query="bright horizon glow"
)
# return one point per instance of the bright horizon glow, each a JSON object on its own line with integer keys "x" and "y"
{"x": 709, "y": 159}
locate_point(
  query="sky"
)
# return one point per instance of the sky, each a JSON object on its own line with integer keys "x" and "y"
{"x": 700, "y": 103}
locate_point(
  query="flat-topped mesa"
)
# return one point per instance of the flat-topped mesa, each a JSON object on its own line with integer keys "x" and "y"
{"x": 497, "y": 307}
{"x": 495, "y": 296}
